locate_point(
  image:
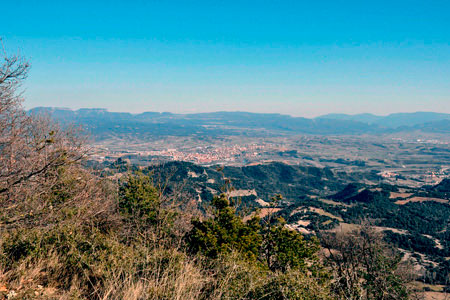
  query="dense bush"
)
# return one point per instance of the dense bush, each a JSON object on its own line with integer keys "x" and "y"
{"x": 225, "y": 232}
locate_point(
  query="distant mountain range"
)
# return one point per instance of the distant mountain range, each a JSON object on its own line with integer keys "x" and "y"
{"x": 393, "y": 120}
{"x": 103, "y": 123}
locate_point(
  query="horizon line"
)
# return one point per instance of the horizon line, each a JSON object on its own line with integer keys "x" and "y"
{"x": 231, "y": 111}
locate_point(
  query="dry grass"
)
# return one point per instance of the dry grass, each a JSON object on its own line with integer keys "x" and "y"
{"x": 171, "y": 276}
{"x": 421, "y": 199}
{"x": 334, "y": 203}
{"x": 262, "y": 202}
{"x": 395, "y": 195}
{"x": 436, "y": 296}
{"x": 320, "y": 211}
{"x": 263, "y": 212}
{"x": 381, "y": 229}
{"x": 345, "y": 227}
{"x": 241, "y": 193}
{"x": 168, "y": 275}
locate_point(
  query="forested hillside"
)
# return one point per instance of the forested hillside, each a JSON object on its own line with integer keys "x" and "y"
{"x": 318, "y": 200}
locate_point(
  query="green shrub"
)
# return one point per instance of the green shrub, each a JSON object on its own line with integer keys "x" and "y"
{"x": 225, "y": 232}
{"x": 139, "y": 199}
{"x": 285, "y": 249}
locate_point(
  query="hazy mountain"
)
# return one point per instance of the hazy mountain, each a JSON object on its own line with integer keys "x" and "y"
{"x": 412, "y": 119}
{"x": 103, "y": 123}
{"x": 364, "y": 118}
{"x": 393, "y": 120}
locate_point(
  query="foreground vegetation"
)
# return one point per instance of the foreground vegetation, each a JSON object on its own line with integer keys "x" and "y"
{"x": 68, "y": 234}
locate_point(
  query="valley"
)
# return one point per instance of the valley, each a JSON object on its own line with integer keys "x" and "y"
{"x": 396, "y": 180}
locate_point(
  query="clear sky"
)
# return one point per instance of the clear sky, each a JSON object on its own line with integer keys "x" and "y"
{"x": 303, "y": 58}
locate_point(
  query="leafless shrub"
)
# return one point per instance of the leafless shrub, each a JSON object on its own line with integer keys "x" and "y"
{"x": 33, "y": 148}
{"x": 364, "y": 267}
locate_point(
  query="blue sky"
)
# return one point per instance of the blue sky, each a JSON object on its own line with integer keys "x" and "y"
{"x": 303, "y": 58}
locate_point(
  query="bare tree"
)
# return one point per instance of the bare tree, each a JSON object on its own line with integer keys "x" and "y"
{"x": 364, "y": 267}
{"x": 31, "y": 147}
